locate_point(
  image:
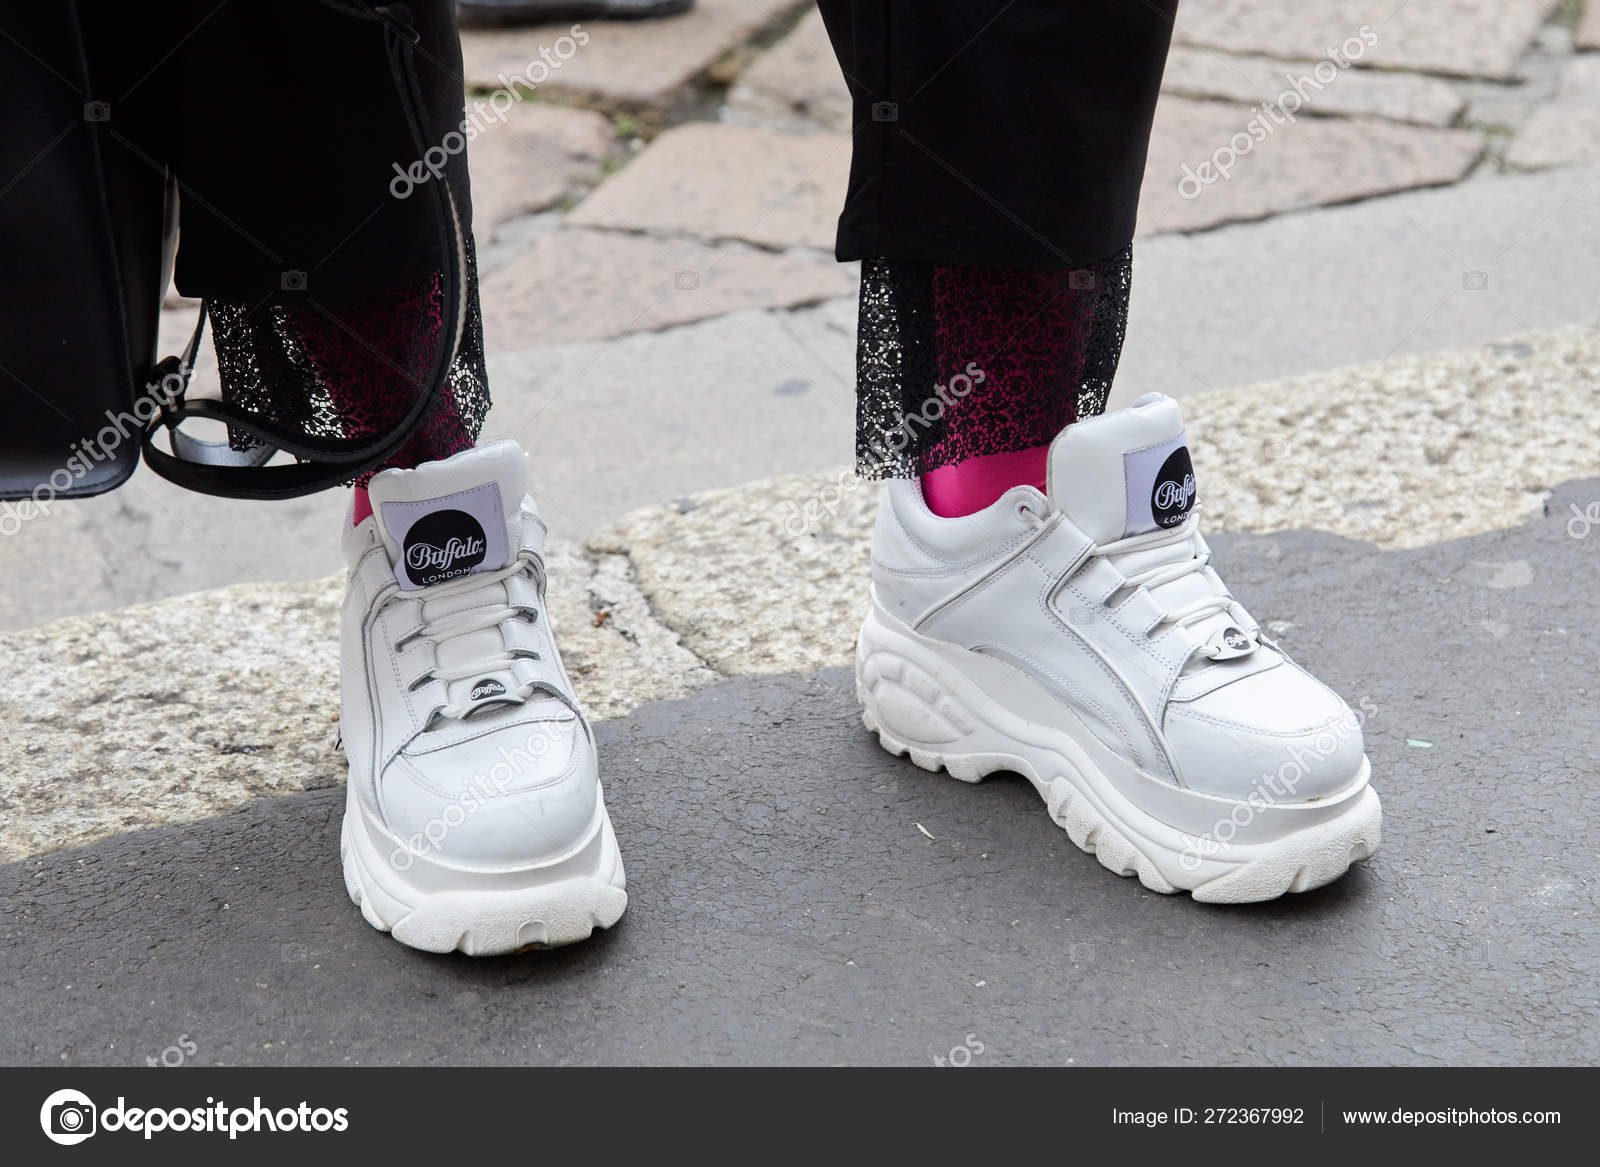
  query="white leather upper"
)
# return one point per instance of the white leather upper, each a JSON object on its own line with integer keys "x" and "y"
{"x": 1021, "y": 581}
{"x": 510, "y": 783}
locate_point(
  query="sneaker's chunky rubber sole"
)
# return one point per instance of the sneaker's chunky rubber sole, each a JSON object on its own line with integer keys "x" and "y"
{"x": 432, "y": 906}
{"x": 932, "y": 700}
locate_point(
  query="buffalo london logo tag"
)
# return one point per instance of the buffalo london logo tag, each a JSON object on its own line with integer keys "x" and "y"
{"x": 442, "y": 545}
{"x": 487, "y": 688}
{"x": 1160, "y": 486}
{"x": 445, "y": 538}
{"x": 1172, "y": 498}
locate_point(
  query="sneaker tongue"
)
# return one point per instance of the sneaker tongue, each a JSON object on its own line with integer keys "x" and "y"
{"x": 1128, "y": 473}
{"x": 452, "y": 518}
{"x": 1124, "y": 473}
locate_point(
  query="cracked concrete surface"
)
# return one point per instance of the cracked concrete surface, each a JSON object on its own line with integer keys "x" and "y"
{"x": 619, "y": 653}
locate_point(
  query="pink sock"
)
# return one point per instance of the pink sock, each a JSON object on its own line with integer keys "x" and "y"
{"x": 963, "y": 488}
{"x": 363, "y": 507}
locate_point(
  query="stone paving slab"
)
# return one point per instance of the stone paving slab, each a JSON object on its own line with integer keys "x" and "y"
{"x": 1401, "y": 97}
{"x": 1408, "y": 274}
{"x": 796, "y": 84}
{"x": 1587, "y": 35}
{"x": 1311, "y": 162}
{"x": 150, "y": 539}
{"x": 1400, "y": 455}
{"x": 540, "y": 156}
{"x": 614, "y": 425}
{"x": 1502, "y": 108}
{"x": 635, "y": 63}
{"x": 1565, "y": 132}
{"x": 784, "y": 189}
{"x": 582, "y": 285}
{"x": 729, "y": 182}
{"x": 1469, "y": 38}
{"x": 785, "y": 908}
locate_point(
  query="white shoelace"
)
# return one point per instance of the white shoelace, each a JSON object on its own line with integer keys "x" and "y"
{"x": 1151, "y": 578}
{"x": 446, "y": 628}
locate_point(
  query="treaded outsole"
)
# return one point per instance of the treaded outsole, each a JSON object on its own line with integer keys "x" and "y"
{"x": 1092, "y": 832}
{"x": 500, "y": 923}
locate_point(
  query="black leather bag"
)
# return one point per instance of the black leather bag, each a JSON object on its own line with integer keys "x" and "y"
{"x": 88, "y": 236}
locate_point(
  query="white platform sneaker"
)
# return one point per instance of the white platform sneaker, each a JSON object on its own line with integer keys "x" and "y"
{"x": 474, "y": 818}
{"x": 1083, "y": 640}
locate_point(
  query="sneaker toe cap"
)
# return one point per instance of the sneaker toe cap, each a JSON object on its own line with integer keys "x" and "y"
{"x": 476, "y": 805}
{"x": 1280, "y": 732}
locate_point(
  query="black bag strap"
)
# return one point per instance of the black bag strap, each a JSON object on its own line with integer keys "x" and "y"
{"x": 212, "y": 467}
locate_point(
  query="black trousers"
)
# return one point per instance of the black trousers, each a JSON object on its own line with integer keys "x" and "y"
{"x": 1009, "y": 133}
{"x": 282, "y": 125}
